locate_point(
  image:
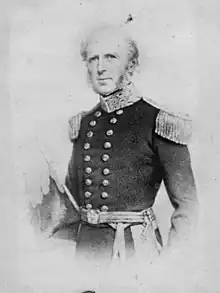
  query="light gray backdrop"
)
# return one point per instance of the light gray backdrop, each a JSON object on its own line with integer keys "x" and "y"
{"x": 180, "y": 68}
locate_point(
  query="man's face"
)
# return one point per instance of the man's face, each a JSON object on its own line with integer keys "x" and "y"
{"x": 107, "y": 59}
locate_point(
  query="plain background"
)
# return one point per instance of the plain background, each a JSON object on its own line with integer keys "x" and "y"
{"x": 180, "y": 68}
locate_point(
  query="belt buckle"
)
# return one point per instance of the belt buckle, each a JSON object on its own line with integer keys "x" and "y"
{"x": 93, "y": 216}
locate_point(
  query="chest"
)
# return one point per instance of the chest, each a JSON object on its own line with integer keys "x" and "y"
{"x": 120, "y": 131}
{"x": 115, "y": 155}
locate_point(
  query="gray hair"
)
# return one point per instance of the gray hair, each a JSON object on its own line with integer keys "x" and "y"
{"x": 133, "y": 51}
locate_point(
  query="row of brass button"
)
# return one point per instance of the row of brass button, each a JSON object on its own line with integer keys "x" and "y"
{"x": 107, "y": 145}
{"x": 119, "y": 112}
{"x": 108, "y": 133}
{"x": 103, "y": 208}
{"x": 88, "y": 182}
{"x": 88, "y": 194}
{"x": 105, "y": 157}
{"x": 105, "y": 171}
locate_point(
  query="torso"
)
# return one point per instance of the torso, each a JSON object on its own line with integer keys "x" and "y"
{"x": 125, "y": 139}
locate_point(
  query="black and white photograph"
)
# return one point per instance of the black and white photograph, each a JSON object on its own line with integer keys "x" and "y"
{"x": 114, "y": 147}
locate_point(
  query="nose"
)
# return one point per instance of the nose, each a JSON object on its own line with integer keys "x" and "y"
{"x": 101, "y": 66}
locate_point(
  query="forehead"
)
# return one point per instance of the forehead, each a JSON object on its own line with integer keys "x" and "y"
{"x": 107, "y": 42}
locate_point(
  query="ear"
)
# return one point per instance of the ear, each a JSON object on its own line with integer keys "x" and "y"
{"x": 131, "y": 66}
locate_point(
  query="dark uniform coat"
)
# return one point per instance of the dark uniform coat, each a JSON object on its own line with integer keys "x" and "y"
{"x": 122, "y": 151}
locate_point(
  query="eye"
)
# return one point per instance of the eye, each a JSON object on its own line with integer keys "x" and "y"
{"x": 110, "y": 56}
{"x": 92, "y": 59}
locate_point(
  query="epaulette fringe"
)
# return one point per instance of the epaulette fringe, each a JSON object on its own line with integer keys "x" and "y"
{"x": 74, "y": 125}
{"x": 174, "y": 128}
{"x": 75, "y": 122}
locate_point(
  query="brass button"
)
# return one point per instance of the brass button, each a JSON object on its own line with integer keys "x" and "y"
{"x": 109, "y": 132}
{"x": 106, "y": 171}
{"x": 107, "y": 145}
{"x": 88, "y": 182}
{"x": 92, "y": 123}
{"x": 105, "y": 182}
{"x": 87, "y": 194}
{"x": 113, "y": 120}
{"x": 88, "y": 206}
{"x": 87, "y": 158}
{"x": 90, "y": 134}
{"x": 104, "y": 195}
{"x": 105, "y": 157}
{"x": 88, "y": 170}
{"x": 119, "y": 112}
{"x": 98, "y": 114}
{"x": 87, "y": 146}
{"x": 104, "y": 208}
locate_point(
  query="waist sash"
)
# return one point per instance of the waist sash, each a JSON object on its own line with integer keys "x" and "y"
{"x": 120, "y": 221}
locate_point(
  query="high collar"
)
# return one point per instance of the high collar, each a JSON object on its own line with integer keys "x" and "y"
{"x": 121, "y": 98}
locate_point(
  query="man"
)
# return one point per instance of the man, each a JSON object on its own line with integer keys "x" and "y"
{"x": 122, "y": 151}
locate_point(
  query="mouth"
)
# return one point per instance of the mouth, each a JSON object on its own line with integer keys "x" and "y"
{"x": 104, "y": 79}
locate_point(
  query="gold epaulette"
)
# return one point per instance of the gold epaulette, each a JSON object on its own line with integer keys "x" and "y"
{"x": 75, "y": 122}
{"x": 74, "y": 125}
{"x": 173, "y": 127}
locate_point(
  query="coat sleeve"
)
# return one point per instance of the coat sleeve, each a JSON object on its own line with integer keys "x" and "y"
{"x": 71, "y": 180}
{"x": 71, "y": 183}
{"x": 180, "y": 184}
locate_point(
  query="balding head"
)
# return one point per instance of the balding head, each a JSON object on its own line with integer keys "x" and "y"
{"x": 110, "y": 33}
{"x": 111, "y": 56}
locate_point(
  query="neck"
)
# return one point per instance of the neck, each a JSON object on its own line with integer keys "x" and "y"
{"x": 111, "y": 93}
{"x": 120, "y": 88}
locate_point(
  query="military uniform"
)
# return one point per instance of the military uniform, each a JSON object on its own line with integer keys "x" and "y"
{"x": 122, "y": 151}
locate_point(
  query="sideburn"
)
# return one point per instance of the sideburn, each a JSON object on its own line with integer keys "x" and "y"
{"x": 88, "y": 78}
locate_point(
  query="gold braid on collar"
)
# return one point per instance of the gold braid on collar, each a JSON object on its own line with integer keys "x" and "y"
{"x": 121, "y": 98}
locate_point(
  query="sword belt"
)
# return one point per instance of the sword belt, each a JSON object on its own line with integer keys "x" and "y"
{"x": 120, "y": 221}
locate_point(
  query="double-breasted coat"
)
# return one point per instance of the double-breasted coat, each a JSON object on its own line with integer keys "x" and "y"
{"x": 122, "y": 151}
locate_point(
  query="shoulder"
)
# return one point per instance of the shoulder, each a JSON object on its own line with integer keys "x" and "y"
{"x": 175, "y": 127}
{"x": 74, "y": 123}
{"x": 147, "y": 110}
